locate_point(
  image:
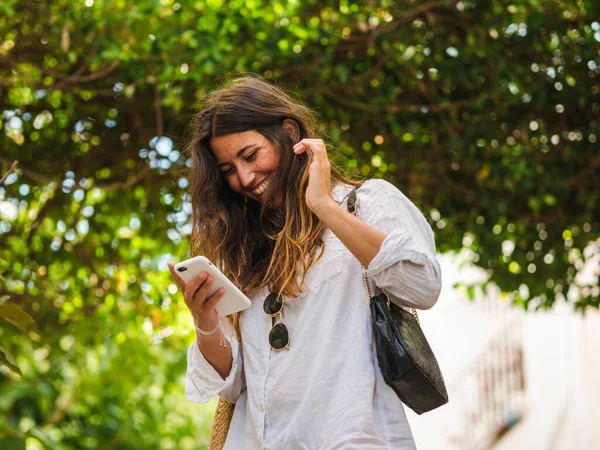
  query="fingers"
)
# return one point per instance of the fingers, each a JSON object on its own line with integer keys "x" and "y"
{"x": 195, "y": 292}
{"x": 197, "y": 289}
{"x": 299, "y": 148}
{"x": 195, "y": 295}
{"x": 317, "y": 151}
{"x": 313, "y": 146}
{"x": 214, "y": 299}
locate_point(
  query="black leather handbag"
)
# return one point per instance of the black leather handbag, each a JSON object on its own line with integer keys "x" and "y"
{"x": 406, "y": 360}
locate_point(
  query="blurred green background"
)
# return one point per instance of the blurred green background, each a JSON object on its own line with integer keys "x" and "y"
{"x": 485, "y": 113}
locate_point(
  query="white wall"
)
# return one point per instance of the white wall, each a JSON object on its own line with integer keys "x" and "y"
{"x": 562, "y": 367}
{"x": 565, "y": 389}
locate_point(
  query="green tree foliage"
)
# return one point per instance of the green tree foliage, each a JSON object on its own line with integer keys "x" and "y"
{"x": 485, "y": 113}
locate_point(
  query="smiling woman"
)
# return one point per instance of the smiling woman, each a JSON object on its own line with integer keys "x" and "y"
{"x": 269, "y": 210}
{"x": 248, "y": 187}
{"x": 247, "y": 169}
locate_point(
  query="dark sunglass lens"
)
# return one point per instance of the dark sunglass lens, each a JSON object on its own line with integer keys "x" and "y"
{"x": 273, "y": 303}
{"x": 279, "y": 336}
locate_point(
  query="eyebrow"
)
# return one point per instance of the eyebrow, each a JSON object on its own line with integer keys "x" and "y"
{"x": 239, "y": 153}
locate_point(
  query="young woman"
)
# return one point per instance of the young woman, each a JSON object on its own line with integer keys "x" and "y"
{"x": 269, "y": 210}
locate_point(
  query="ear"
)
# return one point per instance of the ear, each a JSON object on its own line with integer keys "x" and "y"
{"x": 291, "y": 128}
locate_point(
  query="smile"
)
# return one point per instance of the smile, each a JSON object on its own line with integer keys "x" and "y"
{"x": 261, "y": 188}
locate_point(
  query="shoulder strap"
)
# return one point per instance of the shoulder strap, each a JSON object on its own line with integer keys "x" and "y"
{"x": 351, "y": 207}
{"x": 351, "y": 204}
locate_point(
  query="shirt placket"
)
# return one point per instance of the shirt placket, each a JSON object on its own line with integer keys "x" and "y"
{"x": 262, "y": 422}
{"x": 263, "y": 409}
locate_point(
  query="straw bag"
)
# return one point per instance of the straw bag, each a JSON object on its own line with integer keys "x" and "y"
{"x": 220, "y": 425}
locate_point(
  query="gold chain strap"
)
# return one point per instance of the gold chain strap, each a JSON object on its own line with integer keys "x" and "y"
{"x": 413, "y": 311}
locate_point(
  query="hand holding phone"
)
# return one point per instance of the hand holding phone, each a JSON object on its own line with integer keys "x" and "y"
{"x": 207, "y": 292}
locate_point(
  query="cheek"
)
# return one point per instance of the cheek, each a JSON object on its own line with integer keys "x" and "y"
{"x": 268, "y": 162}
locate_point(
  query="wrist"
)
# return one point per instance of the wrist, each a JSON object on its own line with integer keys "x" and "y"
{"x": 324, "y": 209}
{"x": 203, "y": 337}
{"x": 205, "y": 322}
{"x": 207, "y": 332}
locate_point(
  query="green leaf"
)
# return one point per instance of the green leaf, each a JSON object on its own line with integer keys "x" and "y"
{"x": 7, "y": 358}
{"x": 12, "y": 443}
{"x": 471, "y": 292}
{"x": 15, "y": 315}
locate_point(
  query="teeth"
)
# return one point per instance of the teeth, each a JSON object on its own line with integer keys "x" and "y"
{"x": 262, "y": 188}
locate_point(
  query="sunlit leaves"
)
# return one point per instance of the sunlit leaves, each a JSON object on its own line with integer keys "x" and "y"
{"x": 7, "y": 358}
{"x": 15, "y": 315}
{"x": 484, "y": 113}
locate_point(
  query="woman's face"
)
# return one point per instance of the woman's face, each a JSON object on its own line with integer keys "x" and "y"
{"x": 246, "y": 160}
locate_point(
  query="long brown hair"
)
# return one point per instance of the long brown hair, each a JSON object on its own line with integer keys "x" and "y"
{"x": 255, "y": 244}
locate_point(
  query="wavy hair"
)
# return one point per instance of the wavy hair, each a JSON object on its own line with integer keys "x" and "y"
{"x": 273, "y": 243}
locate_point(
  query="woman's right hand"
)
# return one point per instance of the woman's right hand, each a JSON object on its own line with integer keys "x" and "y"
{"x": 195, "y": 294}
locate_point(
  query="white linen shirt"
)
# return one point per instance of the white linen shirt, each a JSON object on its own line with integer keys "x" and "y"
{"x": 327, "y": 391}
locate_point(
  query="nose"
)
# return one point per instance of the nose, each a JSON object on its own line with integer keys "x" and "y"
{"x": 246, "y": 177}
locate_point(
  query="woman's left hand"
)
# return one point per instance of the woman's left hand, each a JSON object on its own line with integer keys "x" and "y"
{"x": 318, "y": 192}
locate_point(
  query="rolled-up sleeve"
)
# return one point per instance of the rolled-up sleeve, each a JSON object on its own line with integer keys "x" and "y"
{"x": 405, "y": 266}
{"x": 203, "y": 382}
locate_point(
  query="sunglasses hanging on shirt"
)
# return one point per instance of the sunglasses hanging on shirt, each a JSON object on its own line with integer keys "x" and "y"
{"x": 279, "y": 336}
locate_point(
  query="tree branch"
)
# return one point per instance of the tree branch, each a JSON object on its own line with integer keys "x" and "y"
{"x": 84, "y": 78}
{"x": 12, "y": 168}
{"x": 129, "y": 183}
{"x": 424, "y": 9}
{"x": 158, "y": 110}
{"x": 43, "y": 211}
{"x": 40, "y": 179}
{"x": 590, "y": 167}
{"x": 396, "y": 107}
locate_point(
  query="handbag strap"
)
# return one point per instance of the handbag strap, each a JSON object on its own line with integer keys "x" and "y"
{"x": 351, "y": 206}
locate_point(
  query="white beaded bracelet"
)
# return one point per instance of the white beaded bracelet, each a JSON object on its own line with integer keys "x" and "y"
{"x": 202, "y": 332}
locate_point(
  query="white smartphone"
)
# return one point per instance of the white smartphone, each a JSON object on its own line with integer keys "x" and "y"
{"x": 233, "y": 301}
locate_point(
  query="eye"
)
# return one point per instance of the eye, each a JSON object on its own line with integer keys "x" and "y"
{"x": 227, "y": 172}
{"x": 251, "y": 156}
